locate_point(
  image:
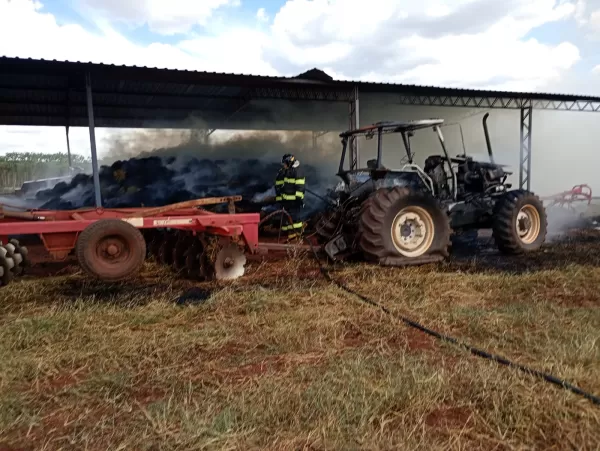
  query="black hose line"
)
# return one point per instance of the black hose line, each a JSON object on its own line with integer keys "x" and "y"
{"x": 473, "y": 350}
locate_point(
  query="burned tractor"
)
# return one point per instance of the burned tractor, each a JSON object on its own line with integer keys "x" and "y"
{"x": 407, "y": 216}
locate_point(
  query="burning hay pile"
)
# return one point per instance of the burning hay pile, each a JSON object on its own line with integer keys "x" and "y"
{"x": 156, "y": 181}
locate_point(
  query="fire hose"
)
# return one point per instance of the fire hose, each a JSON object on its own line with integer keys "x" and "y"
{"x": 473, "y": 350}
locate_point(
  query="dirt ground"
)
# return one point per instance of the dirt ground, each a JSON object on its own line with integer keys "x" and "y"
{"x": 282, "y": 359}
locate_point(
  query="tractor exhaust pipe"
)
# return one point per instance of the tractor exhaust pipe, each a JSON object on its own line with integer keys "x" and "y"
{"x": 487, "y": 137}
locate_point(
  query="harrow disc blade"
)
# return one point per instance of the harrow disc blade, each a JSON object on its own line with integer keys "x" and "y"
{"x": 13, "y": 252}
{"x": 155, "y": 243}
{"x": 165, "y": 252}
{"x": 195, "y": 262}
{"x": 180, "y": 254}
{"x": 229, "y": 263}
{"x": 6, "y": 266}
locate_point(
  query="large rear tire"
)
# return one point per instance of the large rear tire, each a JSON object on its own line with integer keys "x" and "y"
{"x": 399, "y": 227}
{"x": 520, "y": 223}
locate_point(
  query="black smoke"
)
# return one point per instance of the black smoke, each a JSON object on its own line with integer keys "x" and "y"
{"x": 157, "y": 181}
{"x": 156, "y": 168}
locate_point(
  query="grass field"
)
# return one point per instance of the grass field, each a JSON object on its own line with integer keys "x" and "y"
{"x": 281, "y": 359}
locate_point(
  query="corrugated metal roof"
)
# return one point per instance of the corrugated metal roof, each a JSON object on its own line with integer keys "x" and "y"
{"x": 51, "y": 92}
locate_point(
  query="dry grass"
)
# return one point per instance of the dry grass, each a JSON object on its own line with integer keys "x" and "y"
{"x": 283, "y": 360}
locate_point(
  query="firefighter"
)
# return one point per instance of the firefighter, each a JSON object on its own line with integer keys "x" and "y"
{"x": 291, "y": 192}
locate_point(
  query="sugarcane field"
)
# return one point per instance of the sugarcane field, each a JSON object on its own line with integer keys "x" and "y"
{"x": 209, "y": 260}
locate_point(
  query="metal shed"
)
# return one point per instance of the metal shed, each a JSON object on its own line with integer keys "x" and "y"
{"x": 60, "y": 93}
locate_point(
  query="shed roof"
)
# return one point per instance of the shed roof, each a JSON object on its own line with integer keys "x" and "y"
{"x": 43, "y": 92}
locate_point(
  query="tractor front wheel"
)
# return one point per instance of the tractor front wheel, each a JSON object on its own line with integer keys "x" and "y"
{"x": 399, "y": 227}
{"x": 520, "y": 223}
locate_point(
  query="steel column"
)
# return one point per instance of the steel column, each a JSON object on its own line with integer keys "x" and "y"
{"x": 525, "y": 161}
{"x": 354, "y": 124}
{"x": 91, "y": 126}
{"x": 68, "y": 147}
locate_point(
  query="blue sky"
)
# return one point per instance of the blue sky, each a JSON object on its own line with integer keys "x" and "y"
{"x": 503, "y": 44}
{"x": 522, "y": 45}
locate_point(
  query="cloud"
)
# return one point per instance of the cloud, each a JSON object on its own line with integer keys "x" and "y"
{"x": 261, "y": 15}
{"x": 468, "y": 43}
{"x": 163, "y": 17}
{"x": 596, "y": 70}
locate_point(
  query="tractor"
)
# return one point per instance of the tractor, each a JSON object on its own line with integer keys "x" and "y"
{"x": 408, "y": 216}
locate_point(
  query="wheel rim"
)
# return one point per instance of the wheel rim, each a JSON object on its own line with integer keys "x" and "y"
{"x": 111, "y": 254}
{"x": 528, "y": 224}
{"x": 412, "y": 231}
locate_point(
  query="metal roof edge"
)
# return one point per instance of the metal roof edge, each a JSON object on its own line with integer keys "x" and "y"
{"x": 367, "y": 86}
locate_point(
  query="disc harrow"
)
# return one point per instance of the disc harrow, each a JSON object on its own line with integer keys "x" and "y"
{"x": 112, "y": 244}
{"x": 202, "y": 257}
{"x": 14, "y": 260}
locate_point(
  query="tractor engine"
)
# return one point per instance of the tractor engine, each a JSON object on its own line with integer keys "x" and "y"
{"x": 474, "y": 177}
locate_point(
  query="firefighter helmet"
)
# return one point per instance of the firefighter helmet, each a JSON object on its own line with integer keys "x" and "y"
{"x": 288, "y": 159}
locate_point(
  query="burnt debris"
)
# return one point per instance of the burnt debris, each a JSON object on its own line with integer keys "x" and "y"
{"x": 156, "y": 181}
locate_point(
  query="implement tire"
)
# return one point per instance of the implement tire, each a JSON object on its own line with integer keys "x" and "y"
{"x": 111, "y": 250}
{"x": 520, "y": 223}
{"x": 399, "y": 227}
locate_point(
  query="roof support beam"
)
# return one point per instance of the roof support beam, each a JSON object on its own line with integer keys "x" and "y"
{"x": 91, "y": 125}
{"x": 525, "y": 160}
{"x": 354, "y": 124}
{"x": 68, "y": 147}
{"x": 499, "y": 103}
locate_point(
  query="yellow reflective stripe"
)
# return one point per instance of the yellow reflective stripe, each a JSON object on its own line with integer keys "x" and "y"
{"x": 301, "y": 181}
{"x": 278, "y": 182}
{"x": 297, "y": 225}
{"x": 277, "y": 197}
{"x": 300, "y": 194}
{"x": 284, "y": 228}
{"x": 289, "y": 196}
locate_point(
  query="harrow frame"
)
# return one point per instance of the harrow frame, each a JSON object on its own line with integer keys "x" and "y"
{"x": 59, "y": 230}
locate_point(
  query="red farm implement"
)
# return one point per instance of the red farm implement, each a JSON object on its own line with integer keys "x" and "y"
{"x": 579, "y": 194}
{"x": 111, "y": 244}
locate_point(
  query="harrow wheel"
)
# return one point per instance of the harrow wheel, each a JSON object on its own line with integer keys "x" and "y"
{"x": 111, "y": 250}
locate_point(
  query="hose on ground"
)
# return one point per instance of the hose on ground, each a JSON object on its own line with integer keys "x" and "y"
{"x": 473, "y": 350}
{"x": 276, "y": 212}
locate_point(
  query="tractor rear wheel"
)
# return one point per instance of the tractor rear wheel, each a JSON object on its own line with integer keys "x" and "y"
{"x": 520, "y": 223}
{"x": 399, "y": 227}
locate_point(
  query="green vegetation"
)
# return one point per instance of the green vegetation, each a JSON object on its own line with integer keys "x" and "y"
{"x": 16, "y": 168}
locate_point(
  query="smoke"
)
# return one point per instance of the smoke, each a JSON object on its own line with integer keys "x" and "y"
{"x": 189, "y": 167}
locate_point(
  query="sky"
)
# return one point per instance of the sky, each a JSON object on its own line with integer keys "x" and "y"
{"x": 524, "y": 45}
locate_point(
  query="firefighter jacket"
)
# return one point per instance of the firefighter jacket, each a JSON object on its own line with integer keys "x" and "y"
{"x": 279, "y": 181}
{"x": 293, "y": 185}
